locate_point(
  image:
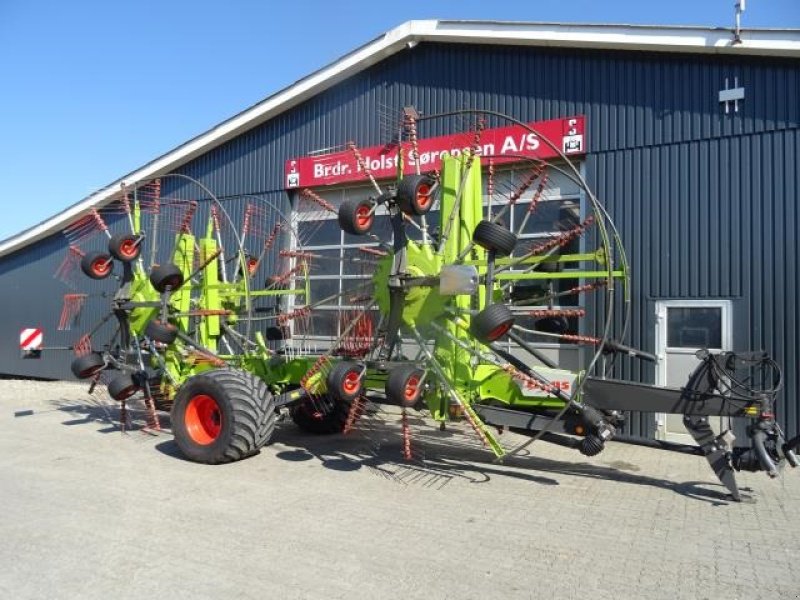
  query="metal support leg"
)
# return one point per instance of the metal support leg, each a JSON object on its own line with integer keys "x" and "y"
{"x": 716, "y": 450}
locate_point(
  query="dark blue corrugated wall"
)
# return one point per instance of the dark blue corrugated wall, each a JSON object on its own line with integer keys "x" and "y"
{"x": 706, "y": 202}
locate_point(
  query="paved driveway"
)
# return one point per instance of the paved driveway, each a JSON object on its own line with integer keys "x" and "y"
{"x": 90, "y": 513}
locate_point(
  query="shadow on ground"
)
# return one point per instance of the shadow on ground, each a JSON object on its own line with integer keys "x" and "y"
{"x": 439, "y": 457}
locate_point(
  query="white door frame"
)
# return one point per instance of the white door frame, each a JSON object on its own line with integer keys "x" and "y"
{"x": 661, "y": 337}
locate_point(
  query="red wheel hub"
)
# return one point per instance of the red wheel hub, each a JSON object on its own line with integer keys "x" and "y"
{"x": 499, "y": 331}
{"x": 351, "y": 382}
{"x": 129, "y": 248}
{"x": 203, "y": 419}
{"x": 411, "y": 390}
{"x": 101, "y": 266}
{"x": 423, "y": 196}
{"x": 364, "y": 216}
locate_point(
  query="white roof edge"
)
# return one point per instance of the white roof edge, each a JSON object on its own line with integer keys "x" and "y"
{"x": 770, "y": 42}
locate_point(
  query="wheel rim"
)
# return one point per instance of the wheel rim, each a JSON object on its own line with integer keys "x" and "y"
{"x": 411, "y": 390}
{"x": 423, "y": 196}
{"x": 498, "y": 331}
{"x": 129, "y": 248}
{"x": 363, "y": 217}
{"x": 203, "y": 419}
{"x": 101, "y": 267}
{"x": 351, "y": 382}
{"x": 88, "y": 372}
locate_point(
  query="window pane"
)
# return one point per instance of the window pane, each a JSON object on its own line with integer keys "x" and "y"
{"x": 694, "y": 327}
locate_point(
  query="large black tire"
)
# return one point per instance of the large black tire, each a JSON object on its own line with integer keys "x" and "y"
{"x": 97, "y": 265}
{"x": 159, "y": 331}
{"x": 345, "y": 381}
{"x": 223, "y": 415}
{"x": 492, "y": 323}
{"x": 87, "y": 365}
{"x": 356, "y": 216}
{"x": 414, "y": 194}
{"x": 125, "y": 247}
{"x": 493, "y": 236}
{"x": 166, "y": 276}
{"x": 322, "y": 416}
{"x": 403, "y": 385}
{"x": 122, "y": 387}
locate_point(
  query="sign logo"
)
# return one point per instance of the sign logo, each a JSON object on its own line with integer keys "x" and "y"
{"x": 502, "y": 144}
{"x": 31, "y": 340}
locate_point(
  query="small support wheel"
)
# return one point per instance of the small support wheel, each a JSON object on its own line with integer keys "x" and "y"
{"x": 158, "y": 331}
{"x": 415, "y": 194}
{"x": 88, "y": 365}
{"x": 125, "y": 247}
{"x": 97, "y": 265}
{"x": 493, "y": 236}
{"x": 356, "y": 216}
{"x": 492, "y": 323}
{"x": 320, "y": 416}
{"x": 404, "y": 385}
{"x": 222, "y": 415}
{"x": 345, "y": 382}
{"x": 122, "y": 387}
{"x": 166, "y": 276}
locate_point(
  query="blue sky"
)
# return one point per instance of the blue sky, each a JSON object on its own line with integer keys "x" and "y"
{"x": 94, "y": 89}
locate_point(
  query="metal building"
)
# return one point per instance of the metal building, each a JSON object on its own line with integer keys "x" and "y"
{"x": 692, "y": 141}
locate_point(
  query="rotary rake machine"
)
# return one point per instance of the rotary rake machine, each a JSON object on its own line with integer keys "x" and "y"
{"x": 457, "y": 291}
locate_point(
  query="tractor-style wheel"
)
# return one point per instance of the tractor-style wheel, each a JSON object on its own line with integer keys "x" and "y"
{"x": 159, "y": 331}
{"x": 320, "y": 416}
{"x": 166, "y": 276}
{"x": 345, "y": 381}
{"x": 122, "y": 387}
{"x": 356, "y": 216}
{"x": 223, "y": 415}
{"x": 493, "y": 236}
{"x": 125, "y": 247}
{"x": 492, "y": 323}
{"x": 97, "y": 265}
{"x": 404, "y": 385}
{"x": 88, "y": 365}
{"x": 415, "y": 194}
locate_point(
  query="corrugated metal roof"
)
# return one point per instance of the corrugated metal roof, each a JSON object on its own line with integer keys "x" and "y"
{"x": 773, "y": 42}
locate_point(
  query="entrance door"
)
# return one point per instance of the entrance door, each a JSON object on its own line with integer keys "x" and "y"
{"x": 682, "y": 328}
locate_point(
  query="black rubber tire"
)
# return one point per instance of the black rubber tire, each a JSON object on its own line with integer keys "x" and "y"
{"x": 591, "y": 445}
{"x": 125, "y": 247}
{"x": 493, "y": 236}
{"x": 492, "y": 323}
{"x": 322, "y": 416}
{"x": 246, "y": 411}
{"x": 276, "y": 333}
{"x": 97, "y": 265}
{"x": 158, "y": 331}
{"x": 122, "y": 387}
{"x": 353, "y": 217}
{"x": 344, "y": 381}
{"x": 398, "y": 390}
{"x": 164, "y": 276}
{"x": 414, "y": 194}
{"x": 87, "y": 365}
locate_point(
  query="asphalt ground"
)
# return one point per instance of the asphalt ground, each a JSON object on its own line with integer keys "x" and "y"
{"x": 88, "y": 512}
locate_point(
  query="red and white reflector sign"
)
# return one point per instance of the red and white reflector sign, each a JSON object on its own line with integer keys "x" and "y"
{"x": 31, "y": 338}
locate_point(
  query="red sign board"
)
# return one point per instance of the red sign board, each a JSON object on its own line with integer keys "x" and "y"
{"x": 503, "y": 144}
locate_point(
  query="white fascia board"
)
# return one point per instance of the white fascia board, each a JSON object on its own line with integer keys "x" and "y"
{"x": 774, "y": 42}
{"x": 777, "y": 42}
